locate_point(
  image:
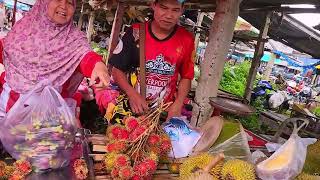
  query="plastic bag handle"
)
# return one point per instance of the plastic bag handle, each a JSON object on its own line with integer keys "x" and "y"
{"x": 296, "y": 129}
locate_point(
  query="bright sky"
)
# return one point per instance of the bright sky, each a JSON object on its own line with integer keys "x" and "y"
{"x": 309, "y": 19}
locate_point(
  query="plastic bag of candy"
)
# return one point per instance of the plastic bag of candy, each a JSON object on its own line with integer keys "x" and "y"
{"x": 40, "y": 128}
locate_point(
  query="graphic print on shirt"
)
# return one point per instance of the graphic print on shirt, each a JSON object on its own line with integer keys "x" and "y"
{"x": 158, "y": 75}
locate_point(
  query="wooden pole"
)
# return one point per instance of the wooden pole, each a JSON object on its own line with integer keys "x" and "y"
{"x": 116, "y": 28}
{"x": 14, "y": 12}
{"x": 257, "y": 57}
{"x": 199, "y": 22}
{"x": 80, "y": 22}
{"x": 220, "y": 37}
{"x": 90, "y": 26}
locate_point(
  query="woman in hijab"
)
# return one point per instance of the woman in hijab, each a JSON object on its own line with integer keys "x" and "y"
{"x": 45, "y": 44}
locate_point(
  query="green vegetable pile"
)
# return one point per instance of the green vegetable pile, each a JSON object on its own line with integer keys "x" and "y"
{"x": 317, "y": 111}
{"x": 102, "y": 51}
{"x": 235, "y": 77}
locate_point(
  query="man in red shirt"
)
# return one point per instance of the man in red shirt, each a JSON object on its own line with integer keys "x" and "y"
{"x": 169, "y": 52}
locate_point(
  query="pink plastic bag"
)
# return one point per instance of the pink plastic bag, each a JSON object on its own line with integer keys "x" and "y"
{"x": 40, "y": 128}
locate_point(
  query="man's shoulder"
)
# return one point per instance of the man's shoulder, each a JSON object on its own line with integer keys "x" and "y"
{"x": 184, "y": 32}
{"x": 135, "y": 25}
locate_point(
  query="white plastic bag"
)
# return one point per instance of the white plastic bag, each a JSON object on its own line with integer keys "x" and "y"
{"x": 183, "y": 137}
{"x": 287, "y": 162}
{"x": 40, "y": 128}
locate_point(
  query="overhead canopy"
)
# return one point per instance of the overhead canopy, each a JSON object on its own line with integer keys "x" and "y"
{"x": 284, "y": 28}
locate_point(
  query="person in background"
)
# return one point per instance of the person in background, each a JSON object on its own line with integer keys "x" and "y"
{"x": 45, "y": 45}
{"x": 169, "y": 52}
{"x": 2, "y": 17}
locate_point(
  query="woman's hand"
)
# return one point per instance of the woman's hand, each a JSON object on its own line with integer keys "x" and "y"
{"x": 100, "y": 74}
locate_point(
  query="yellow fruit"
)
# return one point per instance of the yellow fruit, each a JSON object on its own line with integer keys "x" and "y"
{"x": 311, "y": 166}
{"x": 201, "y": 176}
{"x": 2, "y": 168}
{"x": 304, "y": 176}
{"x": 238, "y": 170}
{"x": 174, "y": 168}
{"x": 109, "y": 161}
{"x": 9, "y": 171}
{"x": 282, "y": 159}
{"x": 200, "y": 161}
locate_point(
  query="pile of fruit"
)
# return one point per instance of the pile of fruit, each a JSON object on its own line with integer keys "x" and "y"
{"x": 134, "y": 148}
{"x": 18, "y": 171}
{"x": 230, "y": 169}
{"x": 45, "y": 143}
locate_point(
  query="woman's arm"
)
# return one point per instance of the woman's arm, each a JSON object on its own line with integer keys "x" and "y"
{"x": 88, "y": 63}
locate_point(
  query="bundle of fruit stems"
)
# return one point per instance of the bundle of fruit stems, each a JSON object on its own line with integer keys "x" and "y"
{"x": 152, "y": 121}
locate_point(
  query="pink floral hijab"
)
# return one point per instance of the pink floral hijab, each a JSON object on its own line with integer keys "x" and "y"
{"x": 37, "y": 49}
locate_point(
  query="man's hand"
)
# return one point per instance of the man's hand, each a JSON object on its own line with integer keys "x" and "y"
{"x": 137, "y": 103}
{"x": 175, "y": 110}
{"x": 100, "y": 72}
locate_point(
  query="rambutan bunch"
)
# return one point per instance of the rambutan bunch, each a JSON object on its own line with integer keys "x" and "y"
{"x": 165, "y": 145}
{"x": 115, "y": 173}
{"x": 80, "y": 169}
{"x": 131, "y": 123}
{"x": 116, "y": 146}
{"x": 117, "y": 132}
{"x": 24, "y": 167}
{"x": 126, "y": 172}
{"x": 136, "y": 133}
{"x": 109, "y": 161}
{"x": 9, "y": 170}
{"x": 16, "y": 175}
{"x": 151, "y": 164}
{"x": 154, "y": 140}
{"x": 2, "y": 168}
{"x": 121, "y": 160}
{"x": 145, "y": 168}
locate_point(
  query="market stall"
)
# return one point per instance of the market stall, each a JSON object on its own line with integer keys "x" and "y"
{"x": 146, "y": 147}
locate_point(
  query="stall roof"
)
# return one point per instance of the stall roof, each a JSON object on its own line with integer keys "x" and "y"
{"x": 245, "y": 5}
{"x": 285, "y": 28}
{"x": 289, "y": 31}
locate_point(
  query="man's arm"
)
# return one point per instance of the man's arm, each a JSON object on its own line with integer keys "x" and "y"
{"x": 187, "y": 74}
{"x": 121, "y": 79}
{"x": 137, "y": 103}
{"x": 123, "y": 62}
{"x": 183, "y": 90}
